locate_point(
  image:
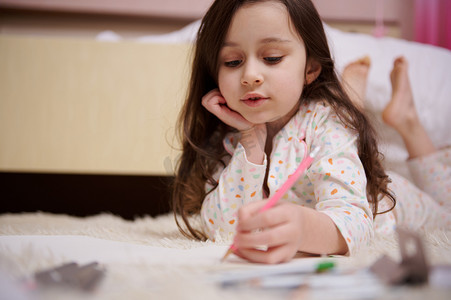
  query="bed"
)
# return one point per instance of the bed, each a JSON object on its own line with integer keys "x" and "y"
{"x": 147, "y": 257}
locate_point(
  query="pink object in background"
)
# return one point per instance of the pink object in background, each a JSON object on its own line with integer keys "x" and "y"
{"x": 433, "y": 22}
{"x": 379, "y": 29}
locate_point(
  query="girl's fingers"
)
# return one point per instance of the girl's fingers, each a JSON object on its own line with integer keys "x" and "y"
{"x": 250, "y": 210}
{"x": 212, "y": 101}
{"x": 271, "y": 256}
{"x": 273, "y": 228}
{"x": 215, "y": 103}
{"x": 250, "y": 218}
{"x": 272, "y": 237}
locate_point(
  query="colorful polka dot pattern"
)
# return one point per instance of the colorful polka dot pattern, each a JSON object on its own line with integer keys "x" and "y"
{"x": 426, "y": 204}
{"x": 335, "y": 184}
{"x": 432, "y": 174}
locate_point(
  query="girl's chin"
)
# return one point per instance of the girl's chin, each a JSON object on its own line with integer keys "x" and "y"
{"x": 256, "y": 117}
{"x": 257, "y": 120}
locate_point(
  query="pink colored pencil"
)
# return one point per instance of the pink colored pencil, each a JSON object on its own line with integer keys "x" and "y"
{"x": 306, "y": 162}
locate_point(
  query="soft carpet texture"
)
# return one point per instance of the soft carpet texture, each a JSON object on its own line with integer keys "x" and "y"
{"x": 144, "y": 280}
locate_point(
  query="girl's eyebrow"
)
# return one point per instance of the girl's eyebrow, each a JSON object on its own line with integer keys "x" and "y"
{"x": 274, "y": 40}
{"x": 268, "y": 40}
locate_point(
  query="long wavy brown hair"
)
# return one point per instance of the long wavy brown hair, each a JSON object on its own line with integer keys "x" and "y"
{"x": 201, "y": 132}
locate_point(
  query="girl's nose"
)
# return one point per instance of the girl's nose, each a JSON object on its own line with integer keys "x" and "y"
{"x": 251, "y": 75}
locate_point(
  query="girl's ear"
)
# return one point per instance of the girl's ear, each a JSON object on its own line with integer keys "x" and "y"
{"x": 312, "y": 70}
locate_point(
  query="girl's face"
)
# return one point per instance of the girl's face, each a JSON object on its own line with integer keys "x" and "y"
{"x": 262, "y": 64}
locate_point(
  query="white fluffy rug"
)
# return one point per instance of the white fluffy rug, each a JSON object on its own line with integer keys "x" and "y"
{"x": 148, "y": 257}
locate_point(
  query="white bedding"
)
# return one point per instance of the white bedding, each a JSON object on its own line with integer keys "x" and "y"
{"x": 86, "y": 249}
{"x": 148, "y": 258}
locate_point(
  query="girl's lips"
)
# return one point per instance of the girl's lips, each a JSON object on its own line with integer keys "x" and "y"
{"x": 254, "y": 100}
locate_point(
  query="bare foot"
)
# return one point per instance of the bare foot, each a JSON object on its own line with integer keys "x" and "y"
{"x": 355, "y": 76}
{"x": 401, "y": 114}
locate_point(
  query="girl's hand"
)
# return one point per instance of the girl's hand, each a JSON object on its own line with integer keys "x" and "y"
{"x": 279, "y": 228}
{"x": 253, "y": 136}
{"x": 285, "y": 229}
{"x": 215, "y": 103}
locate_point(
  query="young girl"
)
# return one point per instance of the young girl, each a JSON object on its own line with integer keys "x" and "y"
{"x": 262, "y": 95}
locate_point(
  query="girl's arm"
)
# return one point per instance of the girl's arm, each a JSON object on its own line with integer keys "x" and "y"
{"x": 253, "y": 141}
{"x": 253, "y": 137}
{"x": 341, "y": 220}
{"x": 339, "y": 224}
{"x": 239, "y": 183}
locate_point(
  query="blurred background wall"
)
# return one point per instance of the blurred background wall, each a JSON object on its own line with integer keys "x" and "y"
{"x": 131, "y": 18}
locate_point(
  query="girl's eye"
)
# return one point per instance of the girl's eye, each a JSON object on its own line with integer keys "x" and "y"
{"x": 273, "y": 59}
{"x": 232, "y": 63}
